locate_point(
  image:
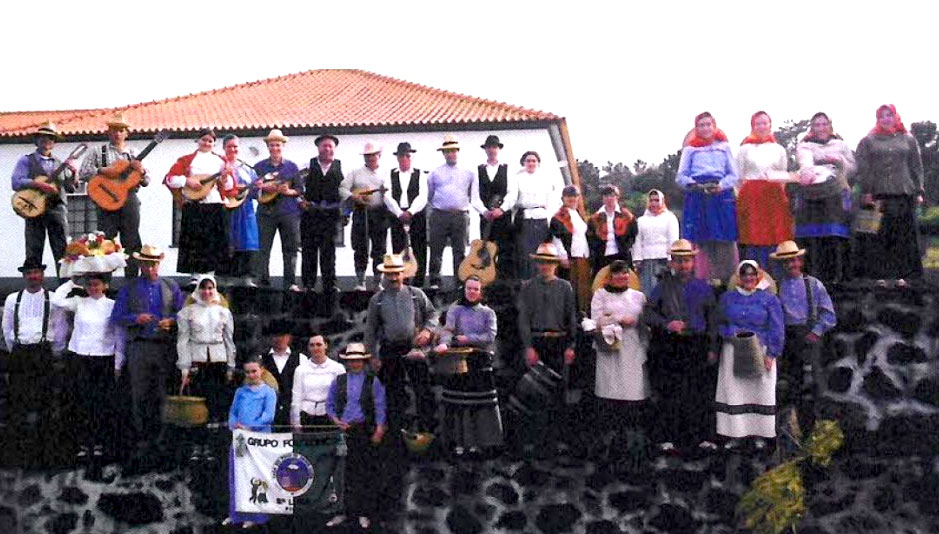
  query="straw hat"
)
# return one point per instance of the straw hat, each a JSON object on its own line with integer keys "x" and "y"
{"x": 392, "y": 263}
{"x": 149, "y": 253}
{"x": 355, "y": 351}
{"x": 371, "y": 148}
{"x": 48, "y": 128}
{"x": 449, "y": 143}
{"x": 787, "y": 250}
{"x": 276, "y": 135}
{"x": 117, "y": 121}
{"x": 682, "y": 247}
{"x": 603, "y": 276}
{"x": 546, "y": 253}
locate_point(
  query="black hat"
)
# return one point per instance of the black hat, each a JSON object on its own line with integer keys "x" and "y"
{"x": 404, "y": 148}
{"x": 278, "y": 327}
{"x": 206, "y": 131}
{"x": 326, "y": 136}
{"x": 31, "y": 264}
{"x": 491, "y": 140}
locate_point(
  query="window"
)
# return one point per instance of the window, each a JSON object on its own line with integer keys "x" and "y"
{"x": 177, "y": 222}
{"x": 82, "y": 213}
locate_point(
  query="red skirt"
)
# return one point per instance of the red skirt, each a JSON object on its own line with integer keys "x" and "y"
{"x": 763, "y": 216}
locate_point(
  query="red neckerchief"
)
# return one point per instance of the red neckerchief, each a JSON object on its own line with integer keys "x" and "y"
{"x": 621, "y": 220}
{"x": 699, "y": 142}
{"x": 756, "y": 140}
{"x": 564, "y": 216}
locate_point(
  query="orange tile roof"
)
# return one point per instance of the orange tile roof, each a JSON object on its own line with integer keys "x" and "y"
{"x": 320, "y": 99}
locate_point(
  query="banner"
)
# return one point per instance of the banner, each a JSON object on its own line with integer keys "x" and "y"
{"x": 288, "y": 473}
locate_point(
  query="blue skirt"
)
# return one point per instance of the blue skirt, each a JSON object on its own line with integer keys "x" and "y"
{"x": 243, "y": 226}
{"x": 708, "y": 217}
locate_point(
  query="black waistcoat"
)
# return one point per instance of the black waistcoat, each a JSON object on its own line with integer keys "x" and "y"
{"x": 492, "y": 186}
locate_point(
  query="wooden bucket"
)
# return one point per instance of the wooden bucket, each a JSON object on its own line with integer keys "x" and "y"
{"x": 538, "y": 388}
{"x": 452, "y": 362}
{"x": 181, "y": 410}
{"x": 748, "y": 355}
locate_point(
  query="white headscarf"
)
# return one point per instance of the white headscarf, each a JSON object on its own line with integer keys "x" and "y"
{"x": 196, "y": 293}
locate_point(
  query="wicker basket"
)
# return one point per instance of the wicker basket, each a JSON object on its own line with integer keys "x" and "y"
{"x": 181, "y": 410}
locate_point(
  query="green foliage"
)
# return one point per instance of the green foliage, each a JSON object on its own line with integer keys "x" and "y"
{"x": 633, "y": 183}
{"x": 788, "y": 136}
{"x": 929, "y": 220}
{"x": 928, "y": 141}
{"x": 826, "y": 439}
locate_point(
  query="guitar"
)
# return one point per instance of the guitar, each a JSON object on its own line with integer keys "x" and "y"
{"x": 481, "y": 260}
{"x": 271, "y": 196}
{"x": 31, "y": 203}
{"x": 110, "y": 187}
{"x": 407, "y": 254}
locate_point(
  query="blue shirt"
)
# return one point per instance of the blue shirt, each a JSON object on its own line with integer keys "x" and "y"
{"x": 712, "y": 163}
{"x": 759, "y": 313}
{"x": 795, "y": 304}
{"x": 253, "y": 406}
{"x": 452, "y": 188}
{"x": 21, "y": 171}
{"x": 288, "y": 172}
{"x": 124, "y": 316}
{"x": 353, "y": 413}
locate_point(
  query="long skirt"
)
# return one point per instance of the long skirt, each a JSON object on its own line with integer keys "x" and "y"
{"x": 745, "y": 406}
{"x": 684, "y": 382}
{"x": 763, "y": 215}
{"x": 893, "y": 252}
{"x": 203, "y": 238}
{"x": 823, "y": 228}
{"x": 471, "y": 406}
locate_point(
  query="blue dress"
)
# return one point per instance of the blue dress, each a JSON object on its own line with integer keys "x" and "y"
{"x": 242, "y": 223}
{"x": 707, "y": 217}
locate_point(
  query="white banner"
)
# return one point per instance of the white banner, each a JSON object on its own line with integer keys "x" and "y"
{"x": 267, "y": 473}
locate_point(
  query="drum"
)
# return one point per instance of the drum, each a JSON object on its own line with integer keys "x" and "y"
{"x": 452, "y": 362}
{"x": 540, "y": 387}
{"x": 181, "y": 410}
{"x": 748, "y": 355}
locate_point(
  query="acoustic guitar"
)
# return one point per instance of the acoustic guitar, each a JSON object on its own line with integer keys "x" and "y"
{"x": 110, "y": 188}
{"x": 271, "y": 196}
{"x": 407, "y": 254}
{"x": 481, "y": 260}
{"x": 30, "y": 203}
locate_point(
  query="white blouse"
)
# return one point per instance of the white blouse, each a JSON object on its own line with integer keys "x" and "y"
{"x": 205, "y": 335}
{"x": 311, "y": 383}
{"x": 93, "y": 333}
{"x": 763, "y": 161}
{"x": 579, "y": 247}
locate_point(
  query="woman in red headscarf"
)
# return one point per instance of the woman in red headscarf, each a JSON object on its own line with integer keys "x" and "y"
{"x": 763, "y": 216}
{"x": 890, "y": 172}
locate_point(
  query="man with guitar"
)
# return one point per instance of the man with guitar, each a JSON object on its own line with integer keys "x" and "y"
{"x": 26, "y": 175}
{"x": 321, "y": 215}
{"x": 494, "y": 183}
{"x": 280, "y": 186}
{"x": 406, "y": 201}
{"x": 126, "y": 220}
{"x": 369, "y": 217}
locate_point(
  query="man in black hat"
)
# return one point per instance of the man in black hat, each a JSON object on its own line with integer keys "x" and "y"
{"x": 321, "y": 216}
{"x": 34, "y": 331}
{"x": 282, "y": 362}
{"x": 406, "y": 201}
{"x": 54, "y": 221}
{"x": 497, "y": 190}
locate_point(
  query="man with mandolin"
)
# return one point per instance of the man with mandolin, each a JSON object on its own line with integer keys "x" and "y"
{"x": 363, "y": 187}
{"x": 280, "y": 186}
{"x": 47, "y": 180}
{"x": 406, "y": 201}
{"x": 126, "y": 219}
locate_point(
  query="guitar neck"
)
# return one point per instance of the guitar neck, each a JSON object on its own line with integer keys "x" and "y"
{"x": 146, "y": 151}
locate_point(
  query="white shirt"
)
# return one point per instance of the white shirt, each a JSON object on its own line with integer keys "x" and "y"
{"x": 397, "y": 206}
{"x": 539, "y": 194}
{"x": 611, "y": 247}
{"x": 311, "y": 383}
{"x": 32, "y": 306}
{"x": 203, "y": 163}
{"x": 280, "y": 359}
{"x": 93, "y": 333}
{"x": 579, "y": 247}
{"x": 656, "y": 233}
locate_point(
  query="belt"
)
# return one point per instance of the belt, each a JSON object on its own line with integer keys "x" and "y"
{"x": 439, "y": 210}
{"x": 549, "y": 333}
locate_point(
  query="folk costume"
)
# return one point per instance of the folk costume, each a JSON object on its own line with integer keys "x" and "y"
{"x": 280, "y": 215}
{"x": 369, "y": 237}
{"x": 283, "y": 366}
{"x": 538, "y": 199}
{"x": 823, "y": 209}
{"x": 253, "y": 406}
{"x": 763, "y": 216}
{"x": 244, "y": 240}
{"x": 889, "y": 168}
{"x": 407, "y": 191}
{"x": 320, "y": 223}
{"x": 746, "y": 406}
{"x": 569, "y": 235}
{"x": 203, "y": 232}
{"x": 311, "y": 382}
{"x": 655, "y": 232}
{"x": 496, "y": 185}
{"x": 710, "y": 219}
{"x": 611, "y": 240}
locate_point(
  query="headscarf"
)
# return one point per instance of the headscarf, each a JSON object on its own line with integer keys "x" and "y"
{"x": 898, "y": 126}
{"x": 196, "y": 293}
{"x": 697, "y": 141}
{"x": 755, "y": 139}
{"x": 759, "y": 274}
{"x": 831, "y": 131}
{"x": 661, "y": 203}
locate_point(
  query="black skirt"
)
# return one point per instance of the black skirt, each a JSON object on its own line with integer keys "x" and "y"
{"x": 893, "y": 252}
{"x": 203, "y": 238}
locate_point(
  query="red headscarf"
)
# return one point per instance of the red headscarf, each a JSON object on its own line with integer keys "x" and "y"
{"x": 696, "y": 141}
{"x": 757, "y": 139}
{"x": 898, "y": 126}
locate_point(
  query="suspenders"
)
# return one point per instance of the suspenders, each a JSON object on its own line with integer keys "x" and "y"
{"x": 16, "y": 316}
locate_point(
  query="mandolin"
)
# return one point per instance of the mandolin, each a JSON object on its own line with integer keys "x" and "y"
{"x": 110, "y": 188}
{"x": 481, "y": 260}
{"x": 206, "y": 181}
{"x": 271, "y": 196}
{"x": 360, "y": 195}
{"x": 235, "y": 201}
{"x": 30, "y": 203}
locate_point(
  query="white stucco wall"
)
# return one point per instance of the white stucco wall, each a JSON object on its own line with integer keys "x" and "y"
{"x": 156, "y": 203}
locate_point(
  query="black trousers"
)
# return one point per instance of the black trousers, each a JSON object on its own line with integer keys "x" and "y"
{"x": 92, "y": 395}
{"x": 53, "y": 222}
{"x": 377, "y": 232}
{"x": 363, "y": 465}
{"x": 795, "y": 387}
{"x": 269, "y": 223}
{"x": 318, "y": 239}
{"x": 31, "y": 391}
{"x": 446, "y": 225}
{"x": 148, "y": 363}
{"x": 396, "y": 372}
{"x": 418, "y": 234}
{"x": 685, "y": 384}
{"x": 548, "y": 426}
{"x": 503, "y": 235}
{"x": 126, "y": 222}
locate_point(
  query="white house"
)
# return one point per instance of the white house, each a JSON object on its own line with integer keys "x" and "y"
{"x": 354, "y": 105}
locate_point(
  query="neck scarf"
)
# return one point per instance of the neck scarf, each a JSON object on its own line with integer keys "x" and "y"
{"x": 698, "y": 142}
{"x": 759, "y": 274}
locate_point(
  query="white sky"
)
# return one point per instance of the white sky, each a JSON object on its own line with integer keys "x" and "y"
{"x": 628, "y": 78}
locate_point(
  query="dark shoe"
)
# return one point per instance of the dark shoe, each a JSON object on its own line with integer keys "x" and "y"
{"x": 83, "y": 453}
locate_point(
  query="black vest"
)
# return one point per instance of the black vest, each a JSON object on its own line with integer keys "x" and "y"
{"x": 492, "y": 186}
{"x": 284, "y": 378}
{"x": 414, "y": 185}
{"x": 366, "y": 400}
{"x": 319, "y": 187}
{"x": 35, "y": 169}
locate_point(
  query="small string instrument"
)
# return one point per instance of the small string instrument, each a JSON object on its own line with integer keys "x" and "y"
{"x": 30, "y": 203}
{"x": 110, "y": 188}
{"x": 407, "y": 254}
{"x": 271, "y": 196}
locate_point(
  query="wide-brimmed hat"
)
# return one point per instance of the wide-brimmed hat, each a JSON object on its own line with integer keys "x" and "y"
{"x": 404, "y": 148}
{"x": 276, "y": 135}
{"x": 371, "y": 148}
{"x": 355, "y": 351}
{"x": 787, "y": 250}
{"x": 48, "y": 128}
{"x": 31, "y": 264}
{"x": 449, "y": 143}
{"x": 682, "y": 247}
{"x": 492, "y": 140}
{"x": 392, "y": 263}
{"x": 117, "y": 121}
{"x": 149, "y": 253}
{"x": 546, "y": 253}
{"x": 321, "y": 137}
{"x": 603, "y": 278}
